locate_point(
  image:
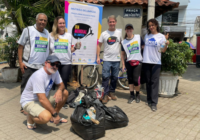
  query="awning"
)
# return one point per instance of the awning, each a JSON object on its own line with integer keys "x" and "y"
{"x": 162, "y": 6}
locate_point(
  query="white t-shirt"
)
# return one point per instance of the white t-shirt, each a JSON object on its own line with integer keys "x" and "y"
{"x": 132, "y": 48}
{"x": 111, "y": 40}
{"x": 152, "y": 45}
{"x": 62, "y": 48}
{"x": 39, "y": 82}
{"x": 36, "y": 46}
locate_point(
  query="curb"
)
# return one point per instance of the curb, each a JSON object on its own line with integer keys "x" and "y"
{"x": 3, "y": 62}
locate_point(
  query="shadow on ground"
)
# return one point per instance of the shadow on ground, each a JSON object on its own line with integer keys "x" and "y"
{"x": 121, "y": 94}
{"x": 9, "y": 85}
{"x": 41, "y": 127}
{"x": 192, "y": 73}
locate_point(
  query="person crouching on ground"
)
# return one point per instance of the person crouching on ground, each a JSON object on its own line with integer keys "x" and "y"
{"x": 35, "y": 99}
{"x": 131, "y": 48}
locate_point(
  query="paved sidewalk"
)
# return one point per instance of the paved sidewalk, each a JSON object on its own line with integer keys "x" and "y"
{"x": 177, "y": 118}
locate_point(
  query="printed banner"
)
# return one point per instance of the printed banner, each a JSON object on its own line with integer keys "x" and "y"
{"x": 84, "y": 21}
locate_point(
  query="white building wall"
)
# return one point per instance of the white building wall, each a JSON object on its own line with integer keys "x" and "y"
{"x": 10, "y": 29}
{"x": 182, "y": 4}
{"x": 181, "y": 16}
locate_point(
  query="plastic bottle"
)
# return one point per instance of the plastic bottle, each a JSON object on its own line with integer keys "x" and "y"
{"x": 78, "y": 44}
{"x": 124, "y": 72}
{"x": 162, "y": 46}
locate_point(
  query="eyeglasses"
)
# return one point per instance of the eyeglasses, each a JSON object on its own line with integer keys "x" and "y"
{"x": 54, "y": 64}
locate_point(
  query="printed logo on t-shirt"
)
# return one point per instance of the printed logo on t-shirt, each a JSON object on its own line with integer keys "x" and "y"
{"x": 41, "y": 44}
{"x": 48, "y": 88}
{"x": 133, "y": 47}
{"x": 111, "y": 40}
{"x": 151, "y": 42}
{"x": 61, "y": 46}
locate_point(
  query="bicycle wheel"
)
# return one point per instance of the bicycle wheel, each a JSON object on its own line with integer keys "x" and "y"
{"x": 123, "y": 80}
{"x": 90, "y": 76}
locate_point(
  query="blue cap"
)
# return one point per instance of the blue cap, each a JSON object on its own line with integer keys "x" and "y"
{"x": 52, "y": 58}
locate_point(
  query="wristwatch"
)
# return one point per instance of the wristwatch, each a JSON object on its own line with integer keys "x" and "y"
{"x": 55, "y": 115}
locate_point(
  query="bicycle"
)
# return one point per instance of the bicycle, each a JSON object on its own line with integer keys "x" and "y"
{"x": 91, "y": 75}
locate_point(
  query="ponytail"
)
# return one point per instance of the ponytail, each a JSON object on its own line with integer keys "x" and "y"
{"x": 125, "y": 36}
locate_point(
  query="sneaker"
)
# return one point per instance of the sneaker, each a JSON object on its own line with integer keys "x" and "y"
{"x": 65, "y": 106}
{"x": 137, "y": 100}
{"x": 131, "y": 99}
{"x": 149, "y": 104}
{"x": 153, "y": 108}
{"x": 112, "y": 95}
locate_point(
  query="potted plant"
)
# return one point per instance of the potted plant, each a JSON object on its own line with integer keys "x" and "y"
{"x": 174, "y": 64}
{"x": 8, "y": 52}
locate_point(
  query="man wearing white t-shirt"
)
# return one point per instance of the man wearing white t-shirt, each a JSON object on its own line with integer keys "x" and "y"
{"x": 36, "y": 100}
{"x": 111, "y": 39}
{"x": 33, "y": 48}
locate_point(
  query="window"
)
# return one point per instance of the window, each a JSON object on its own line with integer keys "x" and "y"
{"x": 170, "y": 18}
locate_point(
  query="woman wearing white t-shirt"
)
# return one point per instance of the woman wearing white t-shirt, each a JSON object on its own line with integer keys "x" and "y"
{"x": 61, "y": 46}
{"x": 131, "y": 50}
{"x": 152, "y": 61}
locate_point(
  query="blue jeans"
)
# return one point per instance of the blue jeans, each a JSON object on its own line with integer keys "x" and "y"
{"x": 110, "y": 70}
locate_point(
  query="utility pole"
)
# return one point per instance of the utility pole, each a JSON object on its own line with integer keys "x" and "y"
{"x": 151, "y": 9}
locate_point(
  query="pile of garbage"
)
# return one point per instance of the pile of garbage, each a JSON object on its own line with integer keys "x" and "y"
{"x": 91, "y": 118}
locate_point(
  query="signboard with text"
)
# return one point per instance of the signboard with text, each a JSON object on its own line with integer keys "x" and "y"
{"x": 84, "y": 21}
{"x": 132, "y": 12}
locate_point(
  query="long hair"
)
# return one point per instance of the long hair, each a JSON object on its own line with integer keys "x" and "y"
{"x": 155, "y": 22}
{"x": 54, "y": 32}
{"x": 125, "y": 36}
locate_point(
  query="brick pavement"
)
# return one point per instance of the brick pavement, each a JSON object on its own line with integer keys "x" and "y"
{"x": 177, "y": 118}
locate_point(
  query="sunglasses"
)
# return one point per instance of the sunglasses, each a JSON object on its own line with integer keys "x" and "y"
{"x": 54, "y": 64}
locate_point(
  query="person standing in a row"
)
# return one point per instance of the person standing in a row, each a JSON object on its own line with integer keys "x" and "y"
{"x": 61, "y": 45}
{"x": 111, "y": 39}
{"x": 152, "y": 61}
{"x": 132, "y": 61}
{"x": 33, "y": 48}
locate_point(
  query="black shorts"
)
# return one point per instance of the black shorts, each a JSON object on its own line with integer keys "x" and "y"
{"x": 133, "y": 73}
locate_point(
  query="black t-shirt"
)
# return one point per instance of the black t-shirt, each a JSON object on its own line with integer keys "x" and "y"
{"x": 141, "y": 43}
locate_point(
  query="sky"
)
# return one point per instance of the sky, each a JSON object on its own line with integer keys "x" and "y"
{"x": 193, "y": 10}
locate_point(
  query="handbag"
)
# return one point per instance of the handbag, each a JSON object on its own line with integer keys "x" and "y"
{"x": 134, "y": 62}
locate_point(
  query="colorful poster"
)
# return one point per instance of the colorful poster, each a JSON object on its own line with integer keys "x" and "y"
{"x": 84, "y": 21}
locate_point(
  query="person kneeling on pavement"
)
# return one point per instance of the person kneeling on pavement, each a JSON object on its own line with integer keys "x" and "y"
{"x": 35, "y": 99}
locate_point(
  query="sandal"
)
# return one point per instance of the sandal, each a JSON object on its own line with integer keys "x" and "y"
{"x": 22, "y": 110}
{"x": 61, "y": 120}
{"x": 32, "y": 125}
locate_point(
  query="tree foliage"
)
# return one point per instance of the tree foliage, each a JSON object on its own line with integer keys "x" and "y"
{"x": 25, "y": 11}
{"x": 5, "y": 19}
{"x": 176, "y": 57}
{"x": 8, "y": 50}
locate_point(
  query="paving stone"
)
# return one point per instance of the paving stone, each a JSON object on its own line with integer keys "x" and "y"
{"x": 177, "y": 118}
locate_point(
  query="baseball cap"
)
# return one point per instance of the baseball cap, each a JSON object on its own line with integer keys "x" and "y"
{"x": 129, "y": 25}
{"x": 52, "y": 59}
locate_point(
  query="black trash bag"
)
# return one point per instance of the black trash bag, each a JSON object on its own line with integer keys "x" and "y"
{"x": 86, "y": 128}
{"x": 73, "y": 94}
{"x": 114, "y": 117}
{"x": 88, "y": 99}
